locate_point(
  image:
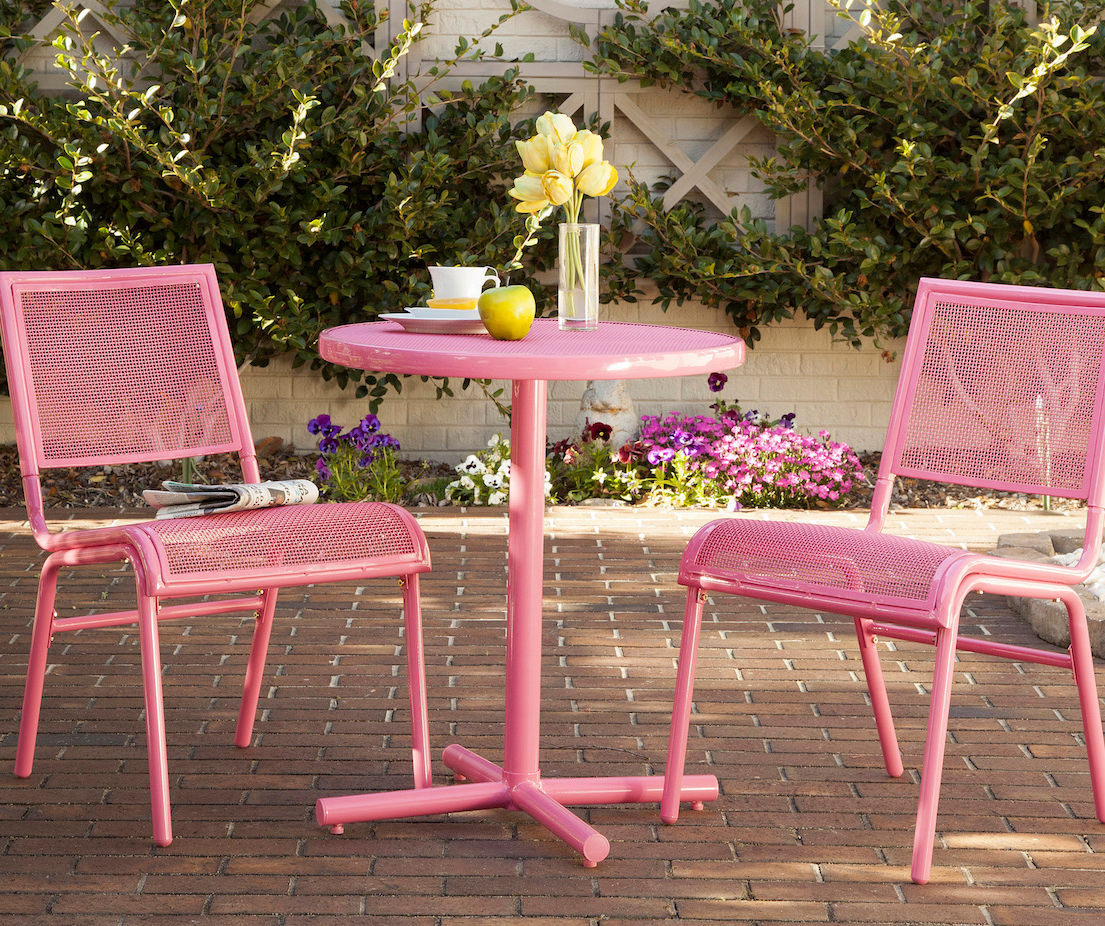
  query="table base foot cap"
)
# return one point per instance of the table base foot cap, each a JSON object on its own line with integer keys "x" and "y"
{"x": 561, "y": 822}
{"x": 595, "y": 849}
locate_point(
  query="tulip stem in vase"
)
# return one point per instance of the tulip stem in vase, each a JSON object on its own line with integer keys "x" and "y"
{"x": 578, "y": 292}
{"x": 562, "y": 165}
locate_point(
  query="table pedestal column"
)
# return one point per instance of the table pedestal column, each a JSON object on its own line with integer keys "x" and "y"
{"x": 517, "y": 784}
{"x": 525, "y": 581}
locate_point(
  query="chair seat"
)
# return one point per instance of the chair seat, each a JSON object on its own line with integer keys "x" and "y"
{"x": 828, "y": 562}
{"x": 288, "y": 545}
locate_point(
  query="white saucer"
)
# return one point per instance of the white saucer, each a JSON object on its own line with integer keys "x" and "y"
{"x": 425, "y": 312}
{"x": 450, "y": 325}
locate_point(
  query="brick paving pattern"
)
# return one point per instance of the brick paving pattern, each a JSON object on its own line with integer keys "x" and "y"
{"x": 808, "y": 828}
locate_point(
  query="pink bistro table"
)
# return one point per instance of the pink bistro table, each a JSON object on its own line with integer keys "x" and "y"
{"x": 614, "y": 351}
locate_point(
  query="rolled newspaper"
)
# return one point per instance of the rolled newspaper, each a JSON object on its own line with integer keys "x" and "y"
{"x": 186, "y": 500}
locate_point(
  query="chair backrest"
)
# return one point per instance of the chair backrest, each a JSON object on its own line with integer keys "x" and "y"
{"x": 120, "y": 366}
{"x": 1002, "y": 387}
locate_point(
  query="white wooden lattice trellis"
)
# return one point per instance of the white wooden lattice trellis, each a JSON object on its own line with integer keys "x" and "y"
{"x": 693, "y": 167}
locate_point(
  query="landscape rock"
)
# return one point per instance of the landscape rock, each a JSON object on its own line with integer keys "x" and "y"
{"x": 1047, "y": 617}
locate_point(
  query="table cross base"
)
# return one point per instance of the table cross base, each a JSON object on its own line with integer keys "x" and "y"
{"x": 486, "y": 785}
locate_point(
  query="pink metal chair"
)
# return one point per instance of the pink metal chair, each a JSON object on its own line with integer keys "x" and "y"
{"x": 121, "y": 366}
{"x": 1001, "y": 387}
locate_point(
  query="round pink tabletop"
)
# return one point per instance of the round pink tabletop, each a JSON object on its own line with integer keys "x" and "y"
{"x": 616, "y": 350}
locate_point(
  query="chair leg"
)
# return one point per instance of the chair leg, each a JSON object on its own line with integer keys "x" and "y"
{"x": 1082, "y": 663}
{"x": 36, "y": 668}
{"x": 416, "y": 682}
{"x": 932, "y": 764}
{"x": 681, "y": 708}
{"x": 255, "y": 668}
{"x": 150, "y": 642}
{"x": 880, "y": 703}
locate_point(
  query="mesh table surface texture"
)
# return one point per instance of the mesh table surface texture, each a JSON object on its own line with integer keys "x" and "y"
{"x": 615, "y": 350}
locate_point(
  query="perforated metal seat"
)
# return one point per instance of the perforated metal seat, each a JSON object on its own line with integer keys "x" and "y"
{"x": 121, "y": 366}
{"x": 242, "y": 549}
{"x": 816, "y": 560}
{"x": 1001, "y": 387}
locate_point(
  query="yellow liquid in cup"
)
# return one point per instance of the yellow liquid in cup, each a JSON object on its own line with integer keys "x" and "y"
{"x": 460, "y": 303}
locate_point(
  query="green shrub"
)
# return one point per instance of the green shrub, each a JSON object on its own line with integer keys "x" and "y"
{"x": 317, "y": 184}
{"x": 953, "y": 139}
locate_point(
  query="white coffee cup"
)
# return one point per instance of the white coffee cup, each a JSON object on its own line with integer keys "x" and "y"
{"x": 459, "y": 287}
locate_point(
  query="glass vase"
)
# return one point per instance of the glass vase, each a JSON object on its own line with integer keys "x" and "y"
{"x": 577, "y": 300}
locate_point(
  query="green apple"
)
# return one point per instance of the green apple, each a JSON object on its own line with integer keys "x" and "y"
{"x": 507, "y": 312}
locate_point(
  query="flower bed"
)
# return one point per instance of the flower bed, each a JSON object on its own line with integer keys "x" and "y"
{"x": 729, "y": 459}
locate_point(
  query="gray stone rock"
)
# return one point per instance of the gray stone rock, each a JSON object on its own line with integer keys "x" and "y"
{"x": 1038, "y": 540}
{"x": 1046, "y": 617}
{"x": 1067, "y": 541}
{"x": 1025, "y": 553}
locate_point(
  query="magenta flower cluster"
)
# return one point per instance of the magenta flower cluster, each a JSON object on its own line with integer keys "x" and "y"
{"x": 754, "y": 461}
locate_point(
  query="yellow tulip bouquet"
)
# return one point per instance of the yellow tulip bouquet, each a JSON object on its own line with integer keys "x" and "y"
{"x": 562, "y": 165}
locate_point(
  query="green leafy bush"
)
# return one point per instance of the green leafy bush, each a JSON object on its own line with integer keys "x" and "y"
{"x": 953, "y": 139}
{"x": 589, "y": 467}
{"x": 315, "y": 181}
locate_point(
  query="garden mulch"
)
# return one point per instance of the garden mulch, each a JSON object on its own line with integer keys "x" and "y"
{"x": 808, "y": 828}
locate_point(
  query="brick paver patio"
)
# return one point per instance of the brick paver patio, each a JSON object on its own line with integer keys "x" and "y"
{"x": 808, "y": 828}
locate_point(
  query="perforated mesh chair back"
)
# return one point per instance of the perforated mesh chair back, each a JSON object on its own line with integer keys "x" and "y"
{"x": 120, "y": 366}
{"x": 1002, "y": 388}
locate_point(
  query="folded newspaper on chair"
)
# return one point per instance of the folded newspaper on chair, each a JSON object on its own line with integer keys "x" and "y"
{"x": 186, "y": 500}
